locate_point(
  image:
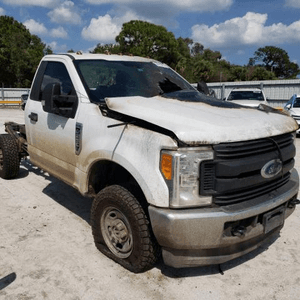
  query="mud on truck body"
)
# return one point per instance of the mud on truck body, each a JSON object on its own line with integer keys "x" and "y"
{"x": 171, "y": 171}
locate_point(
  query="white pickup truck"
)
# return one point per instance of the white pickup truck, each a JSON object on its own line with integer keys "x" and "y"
{"x": 171, "y": 171}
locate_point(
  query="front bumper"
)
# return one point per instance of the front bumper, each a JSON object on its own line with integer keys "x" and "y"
{"x": 203, "y": 236}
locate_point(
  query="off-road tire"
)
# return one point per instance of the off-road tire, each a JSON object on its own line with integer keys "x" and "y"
{"x": 9, "y": 157}
{"x": 117, "y": 213}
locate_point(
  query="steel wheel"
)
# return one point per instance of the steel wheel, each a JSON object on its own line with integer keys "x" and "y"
{"x": 116, "y": 232}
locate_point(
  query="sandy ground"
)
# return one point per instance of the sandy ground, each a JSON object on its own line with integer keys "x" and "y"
{"x": 47, "y": 252}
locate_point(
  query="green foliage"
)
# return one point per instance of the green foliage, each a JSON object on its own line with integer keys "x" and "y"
{"x": 20, "y": 53}
{"x": 259, "y": 73}
{"x": 276, "y": 60}
{"x": 148, "y": 40}
{"x": 184, "y": 47}
{"x": 48, "y": 50}
{"x": 196, "y": 49}
{"x": 107, "y": 49}
{"x": 201, "y": 65}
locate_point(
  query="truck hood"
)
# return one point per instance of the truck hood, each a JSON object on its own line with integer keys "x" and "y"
{"x": 209, "y": 121}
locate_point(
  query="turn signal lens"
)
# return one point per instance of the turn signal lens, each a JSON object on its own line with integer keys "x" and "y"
{"x": 166, "y": 165}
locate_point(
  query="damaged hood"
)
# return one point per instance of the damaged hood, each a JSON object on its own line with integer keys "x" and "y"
{"x": 205, "y": 122}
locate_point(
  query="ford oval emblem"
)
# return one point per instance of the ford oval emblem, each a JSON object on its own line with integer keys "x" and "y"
{"x": 271, "y": 168}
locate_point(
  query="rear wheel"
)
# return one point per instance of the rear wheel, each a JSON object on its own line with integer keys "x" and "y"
{"x": 9, "y": 157}
{"x": 122, "y": 230}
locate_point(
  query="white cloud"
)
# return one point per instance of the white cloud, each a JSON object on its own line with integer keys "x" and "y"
{"x": 58, "y": 48}
{"x": 53, "y": 46}
{"x": 104, "y": 29}
{"x": 65, "y": 13}
{"x": 2, "y": 11}
{"x": 40, "y": 29}
{"x": 293, "y": 3}
{"x": 187, "y": 5}
{"x": 247, "y": 30}
{"x": 43, "y": 3}
{"x": 35, "y": 27}
{"x": 59, "y": 32}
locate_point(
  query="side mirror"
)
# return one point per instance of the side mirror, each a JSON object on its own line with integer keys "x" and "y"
{"x": 202, "y": 88}
{"x": 24, "y": 98}
{"x": 50, "y": 91}
{"x": 288, "y": 106}
{"x": 63, "y": 105}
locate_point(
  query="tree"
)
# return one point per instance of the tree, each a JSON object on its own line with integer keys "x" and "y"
{"x": 197, "y": 48}
{"x": 48, "y": 50}
{"x": 149, "y": 40}
{"x": 184, "y": 46}
{"x": 203, "y": 70}
{"x": 259, "y": 73}
{"x": 20, "y": 53}
{"x": 275, "y": 60}
{"x": 107, "y": 49}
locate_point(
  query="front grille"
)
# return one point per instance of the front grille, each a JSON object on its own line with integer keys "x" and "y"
{"x": 252, "y": 192}
{"x": 244, "y": 149}
{"x": 235, "y": 176}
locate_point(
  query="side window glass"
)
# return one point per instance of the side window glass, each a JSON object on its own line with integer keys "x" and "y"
{"x": 57, "y": 73}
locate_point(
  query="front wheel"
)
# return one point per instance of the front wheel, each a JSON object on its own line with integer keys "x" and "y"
{"x": 9, "y": 157}
{"x": 122, "y": 230}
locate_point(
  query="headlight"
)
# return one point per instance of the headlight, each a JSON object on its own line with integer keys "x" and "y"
{"x": 181, "y": 172}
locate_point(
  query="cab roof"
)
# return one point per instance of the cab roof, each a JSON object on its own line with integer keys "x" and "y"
{"x": 91, "y": 56}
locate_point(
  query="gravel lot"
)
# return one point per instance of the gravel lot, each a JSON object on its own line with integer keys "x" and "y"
{"x": 47, "y": 252}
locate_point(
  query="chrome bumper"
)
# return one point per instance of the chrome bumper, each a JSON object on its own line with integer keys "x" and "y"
{"x": 204, "y": 236}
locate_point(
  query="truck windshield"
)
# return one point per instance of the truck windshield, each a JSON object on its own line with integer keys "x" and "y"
{"x": 246, "y": 95}
{"x": 104, "y": 78}
{"x": 297, "y": 102}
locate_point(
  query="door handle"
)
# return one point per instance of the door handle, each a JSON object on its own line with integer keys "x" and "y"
{"x": 33, "y": 117}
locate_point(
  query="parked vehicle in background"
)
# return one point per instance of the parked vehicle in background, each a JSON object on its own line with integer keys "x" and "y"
{"x": 247, "y": 96}
{"x": 24, "y": 98}
{"x": 293, "y": 107}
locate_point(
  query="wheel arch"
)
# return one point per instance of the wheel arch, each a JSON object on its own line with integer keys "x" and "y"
{"x": 104, "y": 173}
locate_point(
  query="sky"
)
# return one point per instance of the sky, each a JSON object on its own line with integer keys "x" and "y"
{"x": 236, "y": 28}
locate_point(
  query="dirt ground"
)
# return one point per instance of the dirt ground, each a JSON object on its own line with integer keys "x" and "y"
{"x": 47, "y": 252}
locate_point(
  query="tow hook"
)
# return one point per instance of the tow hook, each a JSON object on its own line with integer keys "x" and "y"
{"x": 238, "y": 231}
{"x": 293, "y": 203}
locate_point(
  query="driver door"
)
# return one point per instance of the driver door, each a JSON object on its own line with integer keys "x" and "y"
{"x": 51, "y": 137}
